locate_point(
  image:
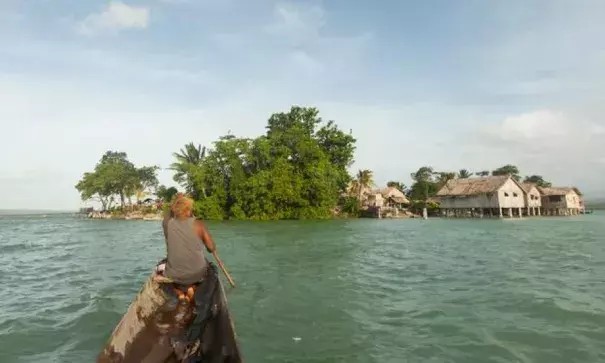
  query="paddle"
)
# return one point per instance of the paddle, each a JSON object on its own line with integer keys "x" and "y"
{"x": 220, "y": 264}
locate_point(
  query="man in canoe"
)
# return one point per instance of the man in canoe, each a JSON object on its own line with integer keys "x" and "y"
{"x": 185, "y": 239}
{"x": 180, "y": 315}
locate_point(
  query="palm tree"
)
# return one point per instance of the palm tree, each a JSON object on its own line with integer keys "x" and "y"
{"x": 363, "y": 180}
{"x": 189, "y": 158}
{"x": 464, "y": 174}
{"x": 190, "y": 154}
{"x": 444, "y": 177}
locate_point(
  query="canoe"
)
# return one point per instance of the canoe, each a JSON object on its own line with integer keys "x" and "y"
{"x": 160, "y": 327}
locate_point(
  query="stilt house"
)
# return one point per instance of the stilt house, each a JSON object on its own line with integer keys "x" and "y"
{"x": 560, "y": 201}
{"x": 533, "y": 199}
{"x": 486, "y": 196}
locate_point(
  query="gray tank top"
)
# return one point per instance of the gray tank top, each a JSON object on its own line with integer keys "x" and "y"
{"x": 186, "y": 261}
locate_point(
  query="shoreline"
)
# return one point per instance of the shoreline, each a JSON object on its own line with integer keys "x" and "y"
{"x": 136, "y": 216}
{"x": 150, "y": 217}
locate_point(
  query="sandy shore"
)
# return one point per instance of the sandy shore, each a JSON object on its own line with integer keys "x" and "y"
{"x": 129, "y": 216}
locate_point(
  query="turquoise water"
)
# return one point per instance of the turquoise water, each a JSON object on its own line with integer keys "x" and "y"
{"x": 336, "y": 291}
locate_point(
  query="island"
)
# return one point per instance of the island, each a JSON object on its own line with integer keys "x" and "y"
{"x": 299, "y": 169}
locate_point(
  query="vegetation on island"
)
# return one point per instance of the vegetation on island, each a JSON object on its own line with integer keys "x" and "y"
{"x": 117, "y": 179}
{"x": 297, "y": 169}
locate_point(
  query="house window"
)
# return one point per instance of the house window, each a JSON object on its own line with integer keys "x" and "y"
{"x": 515, "y": 195}
{"x": 505, "y": 194}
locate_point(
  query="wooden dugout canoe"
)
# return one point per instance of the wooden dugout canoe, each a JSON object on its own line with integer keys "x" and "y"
{"x": 157, "y": 328}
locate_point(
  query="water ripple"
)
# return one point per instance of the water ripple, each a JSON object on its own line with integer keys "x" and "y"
{"x": 356, "y": 291}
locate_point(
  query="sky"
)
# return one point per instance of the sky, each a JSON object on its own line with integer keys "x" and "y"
{"x": 451, "y": 84}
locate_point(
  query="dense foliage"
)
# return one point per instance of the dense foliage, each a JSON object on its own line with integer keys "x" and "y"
{"x": 116, "y": 177}
{"x": 507, "y": 170}
{"x": 166, "y": 194}
{"x": 538, "y": 180}
{"x": 296, "y": 170}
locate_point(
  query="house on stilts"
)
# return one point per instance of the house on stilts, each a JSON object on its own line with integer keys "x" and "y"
{"x": 533, "y": 199}
{"x": 492, "y": 196}
{"x": 561, "y": 201}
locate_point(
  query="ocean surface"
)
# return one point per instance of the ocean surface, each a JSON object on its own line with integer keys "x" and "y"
{"x": 530, "y": 290}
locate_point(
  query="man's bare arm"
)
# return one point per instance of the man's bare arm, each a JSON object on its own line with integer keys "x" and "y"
{"x": 205, "y": 236}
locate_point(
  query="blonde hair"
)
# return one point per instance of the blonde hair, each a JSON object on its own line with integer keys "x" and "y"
{"x": 182, "y": 207}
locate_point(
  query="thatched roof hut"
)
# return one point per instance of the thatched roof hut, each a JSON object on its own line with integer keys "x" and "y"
{"x": 554, "y": 191}
{"x": 561, "y": 198}
{"x": 472, "y": 186}
{"x": 482, "y": 193}
{"x": 527, "y": 187}
{"x": 395, "y": 195}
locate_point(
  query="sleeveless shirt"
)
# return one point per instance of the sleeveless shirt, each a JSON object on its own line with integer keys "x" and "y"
{"x": 186, "y": 262}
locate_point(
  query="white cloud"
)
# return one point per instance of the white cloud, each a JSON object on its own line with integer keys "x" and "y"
{"x": 297, "y": 21}
{"x": 527, "y": 101}
{"x": 541, "y": 127}
{"x": 115, "y": 17}
{"x": 302, "y": 60}
{"x": 295, "y": 43}
{"x": 565, "y": 148}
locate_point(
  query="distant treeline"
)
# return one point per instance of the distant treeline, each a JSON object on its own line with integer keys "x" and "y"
{"x": 297, "y": 169}
{"x": 595, "y": 205}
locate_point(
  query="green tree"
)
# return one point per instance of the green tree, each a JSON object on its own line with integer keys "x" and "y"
{"x": 115, "y": 175}
{"x": 93, "y": 187}
{"x": 350, "y": 206}
{"x": 119, "y": 173}
{"x": 538, "y": 180}
{"x": 425, "y": 173}
{"x": 425, "y": 184}
{"x": 508, "y": 169}
{"x": 297, "y": 169}
{"x": 147, "y": 181}
{"x": 464, "y": 174}
{"x": 188, "y": 162}
{"x": 362, "y": 181}
{"x": 397, "y": 185}
{"x": 444, "y": 177}
{"x": 419, "y": 195}
{"x": 483, "y": 173}
{"x": 340, "y": 149}
{"x": 166, "y": 194}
